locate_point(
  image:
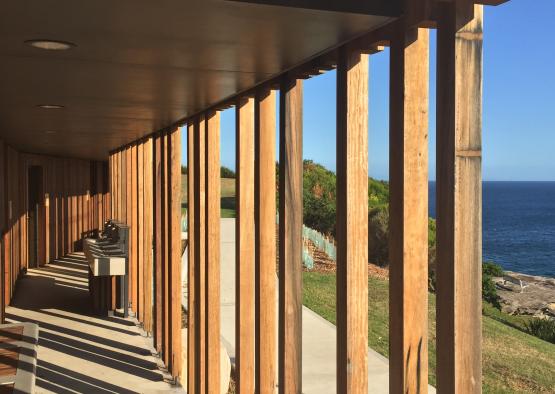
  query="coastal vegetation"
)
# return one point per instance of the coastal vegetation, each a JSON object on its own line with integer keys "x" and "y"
{"x": 542, "y": 328}
{"x": 489, "y": 290}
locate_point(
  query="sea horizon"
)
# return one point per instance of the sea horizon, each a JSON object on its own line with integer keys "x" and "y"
{"x": 518, "y": 225}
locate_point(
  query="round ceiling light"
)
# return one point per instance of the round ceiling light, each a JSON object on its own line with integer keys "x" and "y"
{"x": 50, "y": 45}
{"x": 50, "y": 106}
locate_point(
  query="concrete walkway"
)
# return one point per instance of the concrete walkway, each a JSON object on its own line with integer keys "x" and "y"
{"x": 319, "y": 335}
{"x": 79, "y": 352}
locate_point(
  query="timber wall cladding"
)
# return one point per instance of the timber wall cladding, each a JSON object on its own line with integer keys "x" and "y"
{"x": 146, "y": 195}
{"x": 74, "y": 201}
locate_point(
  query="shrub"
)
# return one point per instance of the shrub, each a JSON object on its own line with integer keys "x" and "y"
{"x": 492, "y": 269}
{"x": 227, "y": 172}
{"x": 489, "y": 291}
{"x": 183, "y": 169}
{"x": 542, "y": 328}
{"x": 378, "y": 236}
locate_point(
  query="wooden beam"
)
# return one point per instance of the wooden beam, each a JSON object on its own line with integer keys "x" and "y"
{"x": 290, "y": 236}
{"x": 200, "y": 251}
{"x": 166, "y": 231}
{"x": 192, "y": 344}
{"x": 352, "y": 222}
{"x": 376, "y": 7}
{"x": 158, "y": 242}
{"x": 175, "y": 251}
{"x": 244, "y": 244}
{"x": 133, "y": 231}
{"x": 213, "y": 252}
{"x": 265, "y": 243}
{"x": 139, "y": 232}
{"x": 148, "y": 232}
{"x": 408, "y": 211}
{"x": 459, "y": 197}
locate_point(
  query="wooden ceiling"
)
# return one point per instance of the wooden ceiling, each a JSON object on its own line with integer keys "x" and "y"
{"x": 142, "y": 65}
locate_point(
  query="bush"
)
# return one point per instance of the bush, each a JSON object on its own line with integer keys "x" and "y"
{"x": 378, "y": 236}
{"x": 319, "y": 201}
{"x": 489, "y": 291}
{"x": 227, "y": 172}
{"x": 183, "y": 169}
{"x": 492, "y": 269}
{"x": 542, "y": 328}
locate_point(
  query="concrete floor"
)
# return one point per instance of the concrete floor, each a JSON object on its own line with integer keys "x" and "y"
{"x": 79, "y": 352}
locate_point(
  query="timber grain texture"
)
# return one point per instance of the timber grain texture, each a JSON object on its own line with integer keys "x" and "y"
{"x": 459, "y": 196}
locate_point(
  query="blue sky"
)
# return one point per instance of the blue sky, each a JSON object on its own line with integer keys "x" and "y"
{"x": 518, "y": 102}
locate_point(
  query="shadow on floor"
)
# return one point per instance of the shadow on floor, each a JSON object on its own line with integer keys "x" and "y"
{"x": 78, "y": 351}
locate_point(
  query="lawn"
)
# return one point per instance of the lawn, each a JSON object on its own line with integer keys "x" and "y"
{"x": 513, "y": 361}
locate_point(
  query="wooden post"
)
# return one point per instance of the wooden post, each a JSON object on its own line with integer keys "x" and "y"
{"x": 192, "y": 344}
{"x": 408, "y": 211}
{"x": 200, "y": 251}
{"x": 138, "y": 218}
{"x": 265, "y": 259}
{"x": 459, "y": 198}
{"x": 167, "y": 249}
{"x": 148, "y": 232}
{"x": 133, "y": 230}
{"x": 213, "y": 253}
{"x": 352, "y": 222}
{"x": 158, "y": 250}
{"x": 290, "y": 236}
{"x": 244, "y": 244}
{"x": 175, "y": 251}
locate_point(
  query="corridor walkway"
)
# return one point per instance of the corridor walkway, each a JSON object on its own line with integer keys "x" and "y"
{"x": 79, "y": 352}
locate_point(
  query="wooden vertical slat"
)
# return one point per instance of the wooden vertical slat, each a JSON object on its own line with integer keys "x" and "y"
{"x": 244, "y": 244}
{"x": 138, "y": 217}
{"x": 175, "y": 262}
{"x": 192, "y": 344}
{"x": 265, "y": 242}
{"x": 290, "y": 236}
{"x": 352, "y": 222}
{"x": 59, "y": 208}
{"x": 148, "y": 232}
{"x": 158, "y": 250}
{"x": 65, "y": 206}
{"x": 75, "y": 179}
{"x": 408, "y": 207}
{"x": 132, "y": 222}
{"x": 459, "y": 197}
{"x": 78, "y": 201}
{"x": 213, "y": 252}
{"x": 4, "y": 259}
{"x": 200, "y": 251}
{"x": 132, "y": 215}
{"x": 166, "y": 231}
{"x": 3, "y": 190}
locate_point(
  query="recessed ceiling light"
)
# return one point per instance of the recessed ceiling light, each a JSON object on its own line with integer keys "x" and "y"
{"x": 50, "y": 45}
{"x": 50, "y": 106}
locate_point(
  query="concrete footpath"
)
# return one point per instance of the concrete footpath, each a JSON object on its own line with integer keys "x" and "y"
{"x": 319, "y": 335}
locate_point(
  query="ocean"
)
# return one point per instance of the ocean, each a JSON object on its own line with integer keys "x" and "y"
{"x": 518, "y": 225}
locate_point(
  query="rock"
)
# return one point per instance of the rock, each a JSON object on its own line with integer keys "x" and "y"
{"x": 550, "y": 309}
{"x": 537, "y": 298}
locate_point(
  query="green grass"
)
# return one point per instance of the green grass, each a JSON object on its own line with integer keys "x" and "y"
{"x": 228, "y": 213}
{"x": 513, "y": 361}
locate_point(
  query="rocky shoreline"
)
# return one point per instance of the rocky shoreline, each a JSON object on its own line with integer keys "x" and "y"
{"x": 522, "y": 294}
